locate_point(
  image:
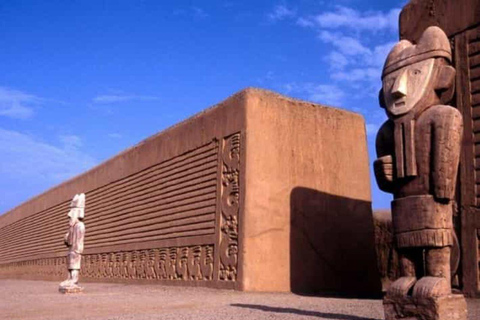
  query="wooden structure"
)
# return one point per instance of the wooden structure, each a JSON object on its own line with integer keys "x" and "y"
{"x": 460, "y": 19}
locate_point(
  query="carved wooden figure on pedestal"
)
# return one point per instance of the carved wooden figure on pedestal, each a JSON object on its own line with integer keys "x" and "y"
{"x": 74, "y": 241}
{"x": 418, "y": 151}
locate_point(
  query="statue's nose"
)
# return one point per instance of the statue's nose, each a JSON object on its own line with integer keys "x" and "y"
{"x": 399, "y": 89}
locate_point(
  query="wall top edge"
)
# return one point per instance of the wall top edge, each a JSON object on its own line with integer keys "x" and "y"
{"x": 235, "y": 101}
{"x": 417, "y": 15}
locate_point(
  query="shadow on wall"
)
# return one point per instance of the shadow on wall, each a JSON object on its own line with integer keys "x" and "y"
{"x": 332, "y": 246}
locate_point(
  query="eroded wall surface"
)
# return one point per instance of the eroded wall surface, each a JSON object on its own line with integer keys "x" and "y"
{"x": 152, "y": 212}
{"x": 259, "y": 193}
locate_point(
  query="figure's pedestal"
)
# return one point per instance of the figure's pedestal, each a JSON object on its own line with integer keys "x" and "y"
{"x": 451, "y": 307}
{"x": 70, "y": 289}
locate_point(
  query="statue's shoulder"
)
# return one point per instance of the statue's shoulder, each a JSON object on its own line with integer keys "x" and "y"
{"x": 443, "y": 110}
{"x": 440, "y": 113}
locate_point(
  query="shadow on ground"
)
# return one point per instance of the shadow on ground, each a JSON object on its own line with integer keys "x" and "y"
{"x": 334, "y": 316}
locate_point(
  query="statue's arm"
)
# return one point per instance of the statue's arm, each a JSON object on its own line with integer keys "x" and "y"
{"x": 66, "y": 238}
{"x": 447, "y": 130}
{"x": 383, "y": 165}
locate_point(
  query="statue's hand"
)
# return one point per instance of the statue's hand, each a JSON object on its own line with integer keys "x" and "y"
{"x": 65, "y": 239}
{"x": 383, "y": 168}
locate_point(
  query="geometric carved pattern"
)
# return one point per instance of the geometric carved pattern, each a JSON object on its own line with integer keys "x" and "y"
{"x": 178, "y": 199}
{"x": 474, "y": 65}
{"x": 230, "y": 206}
{"x": 175, "y": 263}
{"x": 170, "y": 199}
{"x": 43, "y": 267}
{"x": 478, "y": 257}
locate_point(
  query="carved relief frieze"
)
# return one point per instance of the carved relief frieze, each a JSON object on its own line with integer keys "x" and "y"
{"x": 229, "y": 207}
{"x": 55, "y": 267}
{"x": 150, "y": 265}
{"x": 175, "y": 263}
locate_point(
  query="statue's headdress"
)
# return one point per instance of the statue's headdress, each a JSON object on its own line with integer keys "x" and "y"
{"x": 78, "y": 201}
{"x": 432, "y": 44}
{"x": 77, "y": 206}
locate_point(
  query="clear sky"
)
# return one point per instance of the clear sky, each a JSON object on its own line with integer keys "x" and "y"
{"x": 83, "y": 80}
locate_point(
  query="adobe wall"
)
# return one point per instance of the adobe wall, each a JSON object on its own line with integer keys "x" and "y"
{"x": 308, "y": 199}
{"x": 258, "y": 193}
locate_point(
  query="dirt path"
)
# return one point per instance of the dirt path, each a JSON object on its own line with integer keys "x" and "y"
{"x": 39, "y": 300}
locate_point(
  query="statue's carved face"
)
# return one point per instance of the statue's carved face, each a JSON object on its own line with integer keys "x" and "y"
{"x": 73, "y": 215}
{"x": 403, "y": 89}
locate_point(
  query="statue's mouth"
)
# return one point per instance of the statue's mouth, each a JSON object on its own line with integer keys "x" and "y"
{"x": 399, "y": 103}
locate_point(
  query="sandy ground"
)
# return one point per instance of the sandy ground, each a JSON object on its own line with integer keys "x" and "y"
{"x": 23, "y": 299}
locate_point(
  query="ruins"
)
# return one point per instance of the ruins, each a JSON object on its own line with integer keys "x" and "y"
{"x": 263, "y": 192}
{"x": 258, "y": 193}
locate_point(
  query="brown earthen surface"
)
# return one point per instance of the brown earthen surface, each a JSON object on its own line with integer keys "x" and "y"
{"x": 261, "y": 192}
{"x": 307, "y": 205}
{"x": 39, "y": 300}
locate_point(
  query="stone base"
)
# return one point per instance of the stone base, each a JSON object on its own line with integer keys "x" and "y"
{"x": 451, "y": 307}
{"x": 70, "y": 289}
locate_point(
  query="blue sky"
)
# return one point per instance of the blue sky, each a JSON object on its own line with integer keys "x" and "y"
{"x": 83, "y": 80}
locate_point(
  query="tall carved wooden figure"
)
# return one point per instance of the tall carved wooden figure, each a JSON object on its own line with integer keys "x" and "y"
{"x": 74, "y": 242}
{"x": 418, "y": 151}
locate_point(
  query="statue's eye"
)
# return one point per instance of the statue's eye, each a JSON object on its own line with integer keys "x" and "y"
{"x": 417, "y": 72}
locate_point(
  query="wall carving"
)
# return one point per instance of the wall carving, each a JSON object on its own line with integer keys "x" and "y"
{"x": 48, "y": 267}
{"x": 177, "y": 197}
{"x": 230, "y": 200}
{"x": 175, "y": 263}
{"x": 478, "y": 257}
{"x": 474, "y": 66}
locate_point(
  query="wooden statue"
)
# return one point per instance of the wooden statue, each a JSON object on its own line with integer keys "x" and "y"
{"x": 418, "y": 151}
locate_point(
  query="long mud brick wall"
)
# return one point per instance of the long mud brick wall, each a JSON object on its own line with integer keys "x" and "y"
{"x": 260, "y": 192}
